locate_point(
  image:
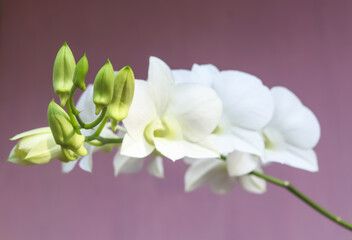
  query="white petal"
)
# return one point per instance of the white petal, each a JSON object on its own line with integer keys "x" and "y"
{"x": 136, "y": 148}
{"x": 32, "y": 132}
{"x": 203, "y": 172}
{"x": 124, "y": 164}
{"x": 142, "y": 110}
{"x": 203, "y": 149}
{"x": 236, "y": 138}
{"x": 247, "y": 103}
{"x": 189, "y": 160}
{"x": 222, "y": 183}
{"x": 86, "y": 105}
{"x": 69, "y": 166}
{"x": 197, "y": 108}
{"x": 86, "y": 163}
{"x": 294, "y": 157}
{"x": 296, "y": 122}
{"x": 204, "y": 74}
{"x": 172, "y": 149}
{"x": 252, "y": 183}
{"x": 155, "y": 167}
{"x": 161, "y": 81}
{"x": 175, "y": 149}
{"x": 182, "y": 76}
{"x": 108, "y": 133}
{"x": 239, "y": 164}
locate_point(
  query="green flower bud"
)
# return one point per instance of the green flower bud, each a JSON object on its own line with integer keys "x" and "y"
{"x": 80, "y": 73}
{"x": 122, "y": 97}
{"x": 103, "y": 87}
{"x": 64, "y": 67}
{"x": 64, "y": 133}
{"x": 36, "y": 146}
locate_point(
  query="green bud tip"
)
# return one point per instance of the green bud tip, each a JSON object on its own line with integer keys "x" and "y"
{"x": 123, "y": 94}
{"x": 80, "y": 74}
{"x": 64, "y": 67}
{"x": 103, "y": 86}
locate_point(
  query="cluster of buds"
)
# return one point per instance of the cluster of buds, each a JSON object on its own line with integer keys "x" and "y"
{"x": 112, "y": 96}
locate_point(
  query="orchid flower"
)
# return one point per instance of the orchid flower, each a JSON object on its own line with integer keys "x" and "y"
{"x": 292, "y": 133}
{"x": 87, "y": 107}
{"x": 125, "y": 164}
{"x": 174, "y": 120}
{"x": 247, "y": 106}
{"x": 221, "y": 177}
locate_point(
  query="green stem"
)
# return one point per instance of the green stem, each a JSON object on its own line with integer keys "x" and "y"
{"x": 110, "y": 140}
{"x": 97, "y": 133}
{"x": 304, "y": 198}
{"x": 70, "y": 100}
{"x": 95, "y": 123}
{"x": 79, "y": 119}
{"x": 72, "y": 117}
{"x": 102, "y": 141}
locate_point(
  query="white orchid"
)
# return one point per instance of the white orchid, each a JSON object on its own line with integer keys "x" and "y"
{"x": 86, "y": 106}
{"x": 125, "y": 164}
{"x": 247, "y": 106}
{"x": 173, "y": 119}
{"x": 223, "y": 175}
{"x": 292, "y": 132}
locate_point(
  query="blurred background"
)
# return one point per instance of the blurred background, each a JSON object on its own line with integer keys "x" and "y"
{"x": 303, "y": 45}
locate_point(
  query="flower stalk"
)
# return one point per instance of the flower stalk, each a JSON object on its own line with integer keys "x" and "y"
{"x": 287, "y": 185}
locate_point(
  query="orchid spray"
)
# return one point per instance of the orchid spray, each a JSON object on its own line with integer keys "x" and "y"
{"x": 227, "y": 125}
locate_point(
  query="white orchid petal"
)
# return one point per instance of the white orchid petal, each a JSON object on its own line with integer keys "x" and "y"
{"x": 86, "y": 163}
{"x": 136, "y": 148}
{"x": 222, "y": 183}
{"x": 252, "y": 183}
{"x": 297, "y": 123}
{"x": 294, "y": 157}
{"x": 224, "y": 143}
{"x": 86, "y": 105}
{"x": 182, "y": 76}
{"x": 172, "y": 149}
{"x": 67, "y": 167}
{"x": 204, "y": 74}
{"x": 142, "y": 110}
{"x": 161, "y": 81}
{"x": 188, "y": 160}
{"x": 108, "y": 133}
{"x": 247, "y": 103}
{"x": 197, "y": 109}
{"x": 155, "y": 167}
{"x": 125, "y": 164}
{"x": 239, "y": 163}
{"x": 202, "y": 172}
{"x": 203, "y": 149}
{"x": 240, "y": 139}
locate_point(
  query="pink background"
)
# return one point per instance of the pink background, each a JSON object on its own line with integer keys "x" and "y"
{"x": 303, "y": 45}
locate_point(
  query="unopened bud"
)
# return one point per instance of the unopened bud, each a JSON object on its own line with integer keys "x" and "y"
{"x": 103, "y": 87}
{"x": 122, "y": 96}
{"x": 64, "y": 133}
{"x": 80, "y": 74}
{"x": 64, "y": 67}
{"x": 36, "y": 146}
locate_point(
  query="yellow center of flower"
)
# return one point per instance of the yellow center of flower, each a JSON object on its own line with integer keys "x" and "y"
{"x": 162, "y": 128}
